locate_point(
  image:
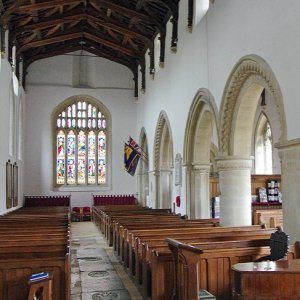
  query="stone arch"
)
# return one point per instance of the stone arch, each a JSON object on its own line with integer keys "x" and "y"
{"x": 240, "y": 98}
{"x": 143, "y": 171}
{"x": 240, "y": 102}
{"x": 163, "y": 161}
{"x": 200, "y": 134}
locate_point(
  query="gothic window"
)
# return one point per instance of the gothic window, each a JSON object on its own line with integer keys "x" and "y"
{"x": 80, "y": 144}
{"x": 263, "y": 147}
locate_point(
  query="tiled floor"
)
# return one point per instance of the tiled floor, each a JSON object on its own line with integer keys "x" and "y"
{"x": 96, "y": 273}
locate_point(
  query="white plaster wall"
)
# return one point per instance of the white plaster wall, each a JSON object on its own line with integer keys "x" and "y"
{"x": 205, "y": 58}
{"x": 5, "y": 88}
{"x": 268, "y": 28}
{"x": 59, "y": 71}
{"x": 43, "y": 96}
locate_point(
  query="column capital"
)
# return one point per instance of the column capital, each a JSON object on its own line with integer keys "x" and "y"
{"x": 202, "y": 167}
{"x": 288, "y": 144}
{"x": 153, "y": 172}
{"x": 234, "y": 162}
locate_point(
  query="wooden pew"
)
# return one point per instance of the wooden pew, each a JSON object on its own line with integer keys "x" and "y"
{"x": 124, "y": 232}
{"x": 34, "y": 240}
{"x": 162, "y": 262}
{"x": 132, "y": 224}
{"x": 208, "y": 265}
{"x": 144, "y": 246}
{"x": 102, "y": 214}
{"x": 271, "y": 218}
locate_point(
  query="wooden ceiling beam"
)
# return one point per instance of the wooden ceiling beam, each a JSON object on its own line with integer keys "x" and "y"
{"x": 5, "y": 16}
{"x": 30, "y": 8}
{"x": 128, "y": 12}
{"x": 110, "y": 44}
{"x": 41, "y": 26}
{"x": 190, "y": 15}
{"x": 124, "y": 10}
{"x": 83, "y": 16}
{"x": 71, "y": 36}
{"x": 53, "y": 40}
{"x": 120, "y": 29}
{"x": 1, "y": 6}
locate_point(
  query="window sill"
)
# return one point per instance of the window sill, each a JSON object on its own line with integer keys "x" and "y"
{"x": 81, "y": 188}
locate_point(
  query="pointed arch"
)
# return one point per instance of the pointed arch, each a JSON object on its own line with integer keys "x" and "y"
{"x": 263, "y": 144}
{"x": 240, "y": 98}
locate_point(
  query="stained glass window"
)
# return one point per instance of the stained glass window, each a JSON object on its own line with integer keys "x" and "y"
{"x": 81, "y": 154}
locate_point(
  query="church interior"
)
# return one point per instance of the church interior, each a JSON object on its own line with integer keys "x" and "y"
{"x": 91, "y": 96}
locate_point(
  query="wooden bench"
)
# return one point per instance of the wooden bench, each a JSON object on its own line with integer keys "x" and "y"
{"x": 272, "y": 218}
{"x": 33, "y": 241}
{"x": 208, "y": 266}
{"x": 123, "y": 232}
{"x": 156, "y": 258}
{"x": 101, "y": 214}
{"x": 139, "y": 237}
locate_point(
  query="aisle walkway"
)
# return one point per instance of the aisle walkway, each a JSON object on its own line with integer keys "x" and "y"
{"x": 95, "y": 271}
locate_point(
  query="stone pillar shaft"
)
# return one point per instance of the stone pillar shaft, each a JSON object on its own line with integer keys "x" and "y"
{"x": 289, "y": 153}
{"x": 201, "y": 203}
{"x": 235, "y": 188}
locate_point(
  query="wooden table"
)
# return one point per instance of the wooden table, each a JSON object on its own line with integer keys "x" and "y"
{"x": 278, "y": 280}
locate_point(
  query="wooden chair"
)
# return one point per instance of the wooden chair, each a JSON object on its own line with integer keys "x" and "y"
{"x": 279, "y": 242}
{"x": 86, "y": 213}
{"x": 76, "y": 214}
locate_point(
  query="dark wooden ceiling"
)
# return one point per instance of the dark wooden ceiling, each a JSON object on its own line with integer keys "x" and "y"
{"x": 122, "y": 31}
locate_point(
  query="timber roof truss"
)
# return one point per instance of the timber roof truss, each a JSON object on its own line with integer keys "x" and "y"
{"x": 122, "y": 31}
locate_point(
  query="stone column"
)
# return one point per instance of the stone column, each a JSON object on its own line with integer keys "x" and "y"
{"x": 289, "y": 153}
{"x": 153, "y": 189}
{"x": 165, "y": 200}
{"x": 201, "y": 203}
{"x": 143, "y": 187}
{"x": 235, "y": 188}
{"x": 188, "y": 189}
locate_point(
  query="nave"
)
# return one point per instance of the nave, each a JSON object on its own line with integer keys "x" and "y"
{"x": 96, "y": 273}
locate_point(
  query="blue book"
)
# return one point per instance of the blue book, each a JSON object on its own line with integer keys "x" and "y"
{"x": 39, "y": 276}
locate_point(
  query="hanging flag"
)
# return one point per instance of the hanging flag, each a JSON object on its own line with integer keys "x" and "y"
{"x": 131, "y": 158}
{"x": 135, "y": 145}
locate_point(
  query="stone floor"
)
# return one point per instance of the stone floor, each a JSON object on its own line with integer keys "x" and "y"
{"x": 96, "y": 273}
